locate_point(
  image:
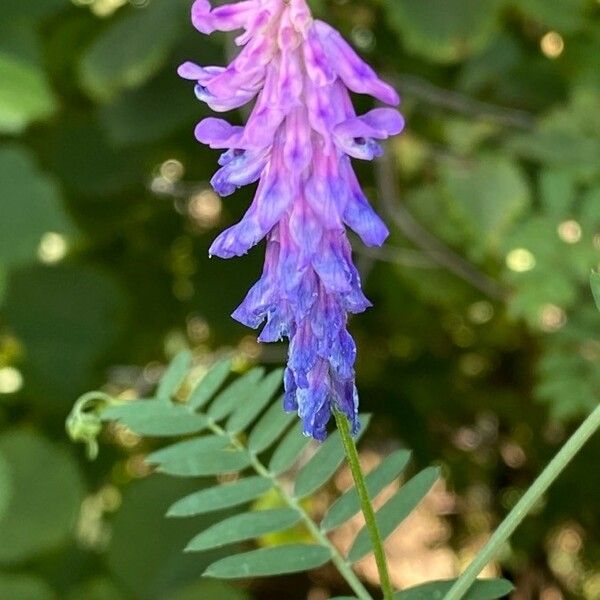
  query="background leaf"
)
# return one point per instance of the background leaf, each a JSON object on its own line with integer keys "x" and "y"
{"x": 62, "y": 344}
{"x": 15, "y": 9}
{"x": 209, "y": 589}
{"x": 157, "y": 565}
{"x": 25, "y": 95}
{"x": 486, "y": 198}
{"x": 444, "y": 32}
{"x": 46, "y": 492}
{"x": 138, "y": 116}
{"x": 130, "y": 51}
{"x": 36, "y": 208}
{"x": 25, "y": 587}
{"x": 567, "y": 15}
{"x": 5, "y": 485}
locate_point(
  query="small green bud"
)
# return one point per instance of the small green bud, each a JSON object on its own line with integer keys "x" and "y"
{"x": 84, "y": 423}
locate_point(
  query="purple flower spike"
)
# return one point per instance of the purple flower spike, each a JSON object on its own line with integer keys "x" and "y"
{"x": 297, "y": 144}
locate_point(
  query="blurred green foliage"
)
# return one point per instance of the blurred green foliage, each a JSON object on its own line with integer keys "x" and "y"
{"x": 483, "y": 347}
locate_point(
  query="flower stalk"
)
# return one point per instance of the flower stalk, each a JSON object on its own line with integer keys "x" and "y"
{"x": 365, "y": 504}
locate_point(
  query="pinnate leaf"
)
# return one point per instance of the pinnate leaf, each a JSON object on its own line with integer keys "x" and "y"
{"x": 325, "y": 462}
{"x": 265, "y": 562}
{"x": 244, "y": 526}
{"x": 174, "y": 376}
{"x": 241, "y": 391}
{"x": 211, "y": 463}
{"x": 194, "y": 447}
{"x": 395, "y": 510}
{"x": 209, "y": 384}
{"x": 220, "y": 497}
{"x": 289, "y": 449}
{"x": 156, "y": 418}
{"x": 269, "y": 428}
{"x": 348, "y": 504}
{"x": 251, "y": 407}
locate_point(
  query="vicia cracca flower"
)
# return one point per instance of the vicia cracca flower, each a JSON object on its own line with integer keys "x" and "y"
{"x": 297, "y": 143}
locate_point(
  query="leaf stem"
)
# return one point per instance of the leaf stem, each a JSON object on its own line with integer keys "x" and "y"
{"x": 338, "y": 560}
{"x": 525, "y": 504}
{"x": 365, "y": 503}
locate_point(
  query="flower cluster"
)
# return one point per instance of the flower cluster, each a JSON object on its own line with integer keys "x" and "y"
{"x": 297, "y": 144}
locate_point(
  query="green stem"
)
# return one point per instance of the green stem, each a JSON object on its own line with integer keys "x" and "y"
{"x": 338, "y": 560}
{"x": 525, "y": 504}
{"x": 365, "y": 503}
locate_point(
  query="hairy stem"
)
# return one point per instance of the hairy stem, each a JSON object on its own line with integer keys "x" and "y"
{"x": 525, "y": 504}
{"x": 365, "y": 503}
{"x": 338, "y": 560}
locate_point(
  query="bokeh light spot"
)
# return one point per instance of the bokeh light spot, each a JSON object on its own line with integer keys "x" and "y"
{"x": 552, "y": 318}
{"x": 172, "y": 170}
{"x": 53, "y": 248}
{"x": 520, "y": 260}
{"x": 552, "y": 44}
{"x": 481, "y": 312}
{"x": 205, "y": 208}
{"x": 11, "y": 380}
{"x": 570, "y": 232}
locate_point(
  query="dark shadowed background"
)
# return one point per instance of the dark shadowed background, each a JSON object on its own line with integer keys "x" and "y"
{"x": 482, "y": 352}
